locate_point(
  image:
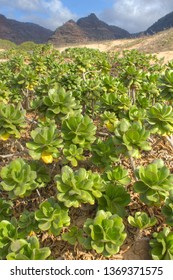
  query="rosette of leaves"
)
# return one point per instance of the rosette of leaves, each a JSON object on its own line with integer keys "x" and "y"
{"x": 114, "y": 200}
{"x": 27, "y": 224}
{"x": 46, "y": 143}
{"x": 73, "y": 154}
{"x": 117, "y": 175}
{"x": 110, "y": 120}
{"x": 79, "y": 130}
{"x": 8, "y": 233}
{"x": 162, "y": 245}
{"x": 73, "y": 235}
{"x": 115, "y": 101}
{"x": 18, "y": 179}
{"x": 29, "y": 249}
{"x": 5, "y": 209}
{"x": 155, "y": 182}
{"x": 59, "y": 102}
{"x": 141, "y": 220}
{"x": 160, "y": 117}
{"x": 52, "y": 217}
{"x": 105, "y": 233}
{"x": 166, "y": 84}
{"x": 167, "y": 209}
{"x": 43, "y": 176}
{"x": 12, "y": 121}
{"x": 131, "y": 138}
{"x": 104, "y": 153}
{"x": 136, "y": 114}
{"x": 77, "y": 187}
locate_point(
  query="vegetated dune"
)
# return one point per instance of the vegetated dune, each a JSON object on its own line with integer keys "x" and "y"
{"x": 160, "y": 44}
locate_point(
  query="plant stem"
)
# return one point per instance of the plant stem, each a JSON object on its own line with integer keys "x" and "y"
{"x": 133, "y": 167}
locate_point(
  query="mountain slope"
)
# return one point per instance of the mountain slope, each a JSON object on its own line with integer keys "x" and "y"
{"x": 86, "y": 29}
{"x": 19, "y": 32}
{"x": 163, "y": 23}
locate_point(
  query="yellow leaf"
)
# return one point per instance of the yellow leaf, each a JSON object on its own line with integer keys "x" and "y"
{"x": 47, "y": 157}
{"x": 5, "y": 136}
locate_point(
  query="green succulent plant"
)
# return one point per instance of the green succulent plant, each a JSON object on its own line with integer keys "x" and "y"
{"x": 141, "y": 220}
{"x": 166, "y": 84}
{"x": 104, "y": 153}
{"x": 29, "y": 249}
{"x": 167, "y": 209}
{"x": 79, "y": 130}
{"x": 160, "y": 118}
{"x": 52, "y": 217}
{"x": 73, "y": 154}
{"x": 73, "y": 235}
{"x": 46, "y": 143}
{"x": 162, "y": 245}
{"x": 114, "y": 200}
{"x": 6, "y": 207}
{"x": 18, "y": 179}
{"x": 131, "y": 138}
{"x": 105, "y": 233}
{"x": 117, "y": 175}
{"x": 77, "y": 187}
{"x": 155, "y": 182}
{"x": 59, "y": 102}
{"x": 8, "y": 233}
{"x": 110, "y": 120}
{"x": 27, "y": 224}
{"x": 12, "y": 121}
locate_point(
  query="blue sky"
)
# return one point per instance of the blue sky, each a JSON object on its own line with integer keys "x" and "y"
{"x": 132, "y": 15}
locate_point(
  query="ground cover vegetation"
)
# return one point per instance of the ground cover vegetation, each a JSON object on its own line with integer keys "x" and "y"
{"x": 80, "y": 138}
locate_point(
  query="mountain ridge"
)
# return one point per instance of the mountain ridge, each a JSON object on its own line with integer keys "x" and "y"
{"x": 89, "y": 28}
{"x": 19, "y": 32}
{"x": 85, "y": 29}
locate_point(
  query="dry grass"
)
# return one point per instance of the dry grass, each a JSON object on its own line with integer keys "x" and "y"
{"x": 160, "y": 44}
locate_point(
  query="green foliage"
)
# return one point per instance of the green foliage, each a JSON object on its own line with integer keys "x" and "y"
{"x": 167, "y": 209}
{"x": 131, "y": 138}
{"x": 59, "y": 103}
{"x": 27, "y": 224}
{"x": 141, "y": 220}
{"x": 79, "y": 130}
{"x": 166, "y": 84}
{"x": 46, "y": 141}
{"x": 114, "y": 200}
{"x": 29, "y": 249}
{"x": 110, "y": 120}
{"x": 18, "y": 179}
{"x": 105, "y": 233}
{"x": 12, "y": 120}
{"x": 136, "y": 114}
{"x": 73, "y": 235}
{"x": 52, "y": 217}
{"x": 73, "y": 154}
{"x": 77, "y": 187}
{"x": 5, "y": 209}
{"x": 162, "y": 245}
{"x": 155, "y": 182}
{"x": 104, "y": 153}
{"x": 117, "y": 175}
{"x": 8, "y": 232}
{"x": 160, "y": 117}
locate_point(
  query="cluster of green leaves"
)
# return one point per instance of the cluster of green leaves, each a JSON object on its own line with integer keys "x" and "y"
{"x": 77, "y": 187}
{"x": 154, "y": 184}
{"x": 19, "y": 179}
{"x": 92, "y": 111}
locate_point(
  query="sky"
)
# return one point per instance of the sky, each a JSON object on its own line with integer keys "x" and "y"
{"x": 131, "y": 15}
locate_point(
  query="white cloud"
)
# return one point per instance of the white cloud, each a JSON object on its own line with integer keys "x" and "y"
{"x": 136, "y": 15}
{"x": 48, "y": 13}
